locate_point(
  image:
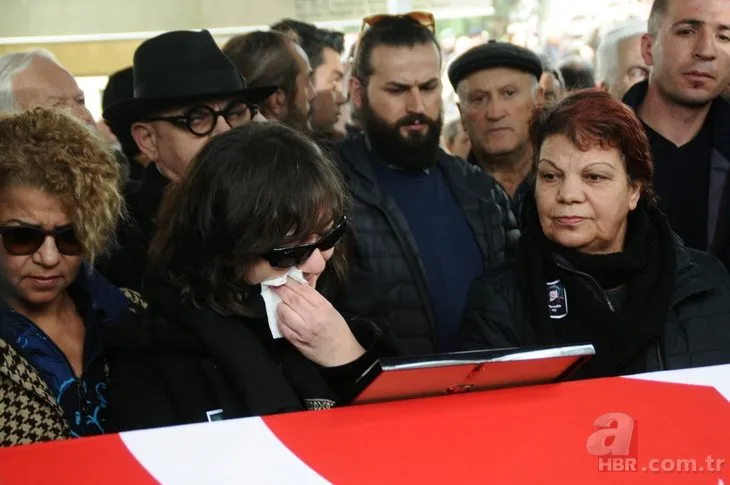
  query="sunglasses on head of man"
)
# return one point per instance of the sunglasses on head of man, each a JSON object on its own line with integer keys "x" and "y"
{"x": 424, "y": 18}
{"x": 200, "y": 120}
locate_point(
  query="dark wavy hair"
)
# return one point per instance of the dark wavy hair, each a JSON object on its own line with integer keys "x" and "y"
{"x": 250, "y": 190}
{"x": 591, "y": 118}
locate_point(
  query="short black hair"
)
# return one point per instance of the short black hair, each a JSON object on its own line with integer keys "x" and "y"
{"x": 395, "y": 31}
{"x": 577, "y": 73}
{"x": 658, "y": 10}
{"x": 249, "y": 190}
{"x": 312, "y": 39}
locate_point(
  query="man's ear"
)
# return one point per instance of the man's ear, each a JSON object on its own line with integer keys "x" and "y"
{"x": 275, "y": 106}
{"x": 357, "y": 92}
{"x": 539, "y": 95}
{"x": 461, "y": 116}
{"x": 146, "y": 138}
{"x": 647, "y": 49}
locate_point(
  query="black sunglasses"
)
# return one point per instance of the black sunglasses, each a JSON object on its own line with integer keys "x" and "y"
{"x": 26, "y": 240}
{"x": 201, "y": 120}
{"x": 296, "y": 255}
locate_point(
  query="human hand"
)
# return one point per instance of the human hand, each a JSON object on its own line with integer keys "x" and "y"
{"x": 314, "y": 326}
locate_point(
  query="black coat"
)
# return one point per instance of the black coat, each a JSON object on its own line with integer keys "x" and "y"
{"x": 386, "y": 250}
{"x": 697, "y": 328}
{"x": 179, "y": 364}
{"x": 719, "y": 117}
{"x": 126, "y": 265}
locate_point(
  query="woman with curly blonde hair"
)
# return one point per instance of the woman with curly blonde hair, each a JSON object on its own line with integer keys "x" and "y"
{"x": 59, "y": 205}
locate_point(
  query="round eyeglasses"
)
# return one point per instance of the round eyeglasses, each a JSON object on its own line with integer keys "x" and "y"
{"x": 201, "y": 120}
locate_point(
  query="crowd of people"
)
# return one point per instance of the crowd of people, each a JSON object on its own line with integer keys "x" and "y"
{"x": 272, "y": 218}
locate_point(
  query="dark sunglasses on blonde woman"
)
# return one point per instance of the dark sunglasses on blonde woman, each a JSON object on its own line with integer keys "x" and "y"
{"x": 26, "y": 240}
{"x": 296, "y": 255}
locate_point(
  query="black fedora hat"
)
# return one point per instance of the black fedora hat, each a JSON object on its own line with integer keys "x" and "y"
{"x": 178, "y": 67}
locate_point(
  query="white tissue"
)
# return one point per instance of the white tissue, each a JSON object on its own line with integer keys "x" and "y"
{"x": 272, "y": 300}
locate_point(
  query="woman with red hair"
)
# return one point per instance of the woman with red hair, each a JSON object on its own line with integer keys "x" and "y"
{"x": 597, "y": 261}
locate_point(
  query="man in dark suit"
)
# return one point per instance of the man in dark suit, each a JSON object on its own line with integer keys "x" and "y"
{"x": 686, "y": 118}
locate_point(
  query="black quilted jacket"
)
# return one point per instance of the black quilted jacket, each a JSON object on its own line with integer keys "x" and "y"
{"x": 386, "y": 250}
{"x": 697, "y": 329}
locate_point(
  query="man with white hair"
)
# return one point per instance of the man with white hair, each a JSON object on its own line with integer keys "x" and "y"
{"x": 35, "y": 78}
{"x": 619, "y": 64}
{"x": 498, "y": 88}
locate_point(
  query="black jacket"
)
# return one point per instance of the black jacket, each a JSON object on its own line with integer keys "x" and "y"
{"x": 697, "y": 329}
{"x": 178, "y": 364}
{"x": 523, "y": 190}
{"x": 386, "y": 249}
{"x": 719, "y": 184}
{"x": 126, "y": 265}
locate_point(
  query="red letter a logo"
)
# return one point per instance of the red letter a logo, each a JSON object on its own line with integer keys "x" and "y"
{"x": 615, "y": 437}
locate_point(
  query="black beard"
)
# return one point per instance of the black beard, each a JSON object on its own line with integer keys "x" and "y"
{"x": 416, "y": 152}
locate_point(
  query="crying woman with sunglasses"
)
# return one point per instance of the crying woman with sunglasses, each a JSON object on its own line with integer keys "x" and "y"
{"x": 59, "y": 205}
{"x": 246, "y": 269}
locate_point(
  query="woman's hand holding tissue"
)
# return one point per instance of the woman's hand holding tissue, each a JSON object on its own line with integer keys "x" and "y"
{"x": 314, "y": 327}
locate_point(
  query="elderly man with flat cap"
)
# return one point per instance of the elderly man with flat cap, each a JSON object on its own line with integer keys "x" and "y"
{"x": 186, "y": 91}
{"x": 498, "y": 86}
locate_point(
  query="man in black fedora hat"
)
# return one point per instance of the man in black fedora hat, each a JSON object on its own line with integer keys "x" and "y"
{"x": 186, "y": 91}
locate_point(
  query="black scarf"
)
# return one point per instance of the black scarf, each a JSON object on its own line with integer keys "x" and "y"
{"x": 644, "y": 271}
{"x": 266, "y": 376}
